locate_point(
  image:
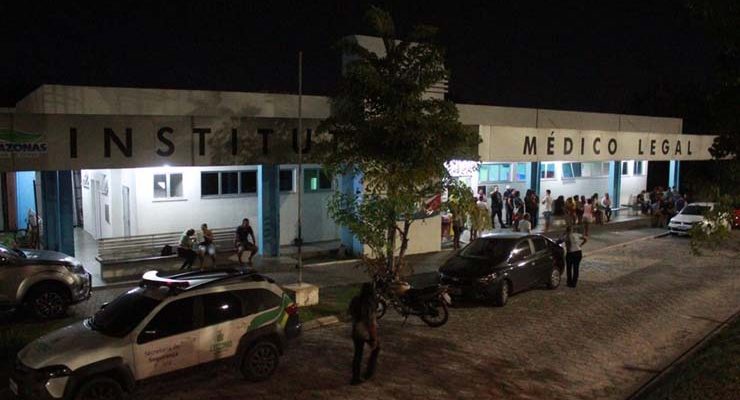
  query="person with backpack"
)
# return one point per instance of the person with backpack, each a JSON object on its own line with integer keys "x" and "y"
{"x": 363, "y": 310}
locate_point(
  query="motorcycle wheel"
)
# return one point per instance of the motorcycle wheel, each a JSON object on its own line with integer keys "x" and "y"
{"x": 437, "y": 313}
{"x": 380, "y": 309}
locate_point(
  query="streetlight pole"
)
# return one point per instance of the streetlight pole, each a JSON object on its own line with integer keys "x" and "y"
{"x": 300, "y": 167}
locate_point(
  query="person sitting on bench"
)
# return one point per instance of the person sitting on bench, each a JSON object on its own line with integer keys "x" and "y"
{"x": 185, "y": 248}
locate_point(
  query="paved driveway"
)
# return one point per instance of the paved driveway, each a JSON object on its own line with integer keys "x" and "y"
{"x": 636, "y": 309}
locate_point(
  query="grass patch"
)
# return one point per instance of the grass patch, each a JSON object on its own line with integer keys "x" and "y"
{"x": 713, "y": 372}
{"x": 16, "y": 335}
{"x": 332, "y": 301}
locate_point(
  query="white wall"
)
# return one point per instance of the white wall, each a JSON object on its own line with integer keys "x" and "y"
{"x": 190, "y": 211}
{"x": 151, "y": 216}
{"x": 632, "y": 184}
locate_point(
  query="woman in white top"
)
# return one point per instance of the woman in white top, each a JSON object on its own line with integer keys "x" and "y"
{"x": 573, "y": 255}
{"x": 588, "y": 215}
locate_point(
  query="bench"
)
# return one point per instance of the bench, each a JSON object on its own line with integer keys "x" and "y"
{"x": 126, "y": 256}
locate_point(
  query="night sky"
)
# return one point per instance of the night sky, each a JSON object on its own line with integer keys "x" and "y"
{"x": 551, "y": 54}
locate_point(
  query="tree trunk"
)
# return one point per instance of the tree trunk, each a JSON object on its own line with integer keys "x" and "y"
{"x": 390, "y": 258}
{"x": 404, "y": 240}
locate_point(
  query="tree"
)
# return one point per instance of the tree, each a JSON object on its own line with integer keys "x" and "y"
{"x": 387, "y": 130}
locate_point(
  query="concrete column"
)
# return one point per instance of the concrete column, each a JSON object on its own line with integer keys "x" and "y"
{"x": 534, "y": 177}
{"x": 268, "y": 209}
{"x": 615, "y": 182}
{"x": 58, "y": 208}
{"x": 674, "y": 174}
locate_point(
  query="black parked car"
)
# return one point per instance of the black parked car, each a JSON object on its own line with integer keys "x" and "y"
{"x": 495, "y": 266}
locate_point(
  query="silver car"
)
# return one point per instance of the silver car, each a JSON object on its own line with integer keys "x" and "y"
{"x": 47, "y": 282}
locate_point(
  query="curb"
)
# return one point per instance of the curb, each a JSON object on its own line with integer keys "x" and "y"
{"x": 320, "y": 322}
{"x": 627, "y": 243}
{"x": 652, "y": 382}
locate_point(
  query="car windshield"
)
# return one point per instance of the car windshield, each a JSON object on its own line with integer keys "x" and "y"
{"x": 125, "y": 312}
{"x": 490, "y": 248}
{"x": 695, "y": 210}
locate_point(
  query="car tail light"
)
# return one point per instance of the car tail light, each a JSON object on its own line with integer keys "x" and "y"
{"x": 292, "y": 309}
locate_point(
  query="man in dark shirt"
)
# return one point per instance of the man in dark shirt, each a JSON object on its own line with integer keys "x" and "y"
{"x": 497, "y": 204}
{"x": 242, "y": 243}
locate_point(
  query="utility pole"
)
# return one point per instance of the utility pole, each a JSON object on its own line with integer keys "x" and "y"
{"x": 300, "y": 167}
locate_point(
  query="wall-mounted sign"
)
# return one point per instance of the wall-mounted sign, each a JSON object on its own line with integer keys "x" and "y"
{"x": 528, "y": 144}
{"x": 96, "y": 141}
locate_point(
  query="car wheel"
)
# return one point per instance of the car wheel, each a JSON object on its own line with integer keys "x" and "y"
{"x": 502, "y": 294}
{"x": 554, "y": 280}
{"x": 100, "y": 388}
{"x": 260, "y": 362}
{"x": 48, "y": 302}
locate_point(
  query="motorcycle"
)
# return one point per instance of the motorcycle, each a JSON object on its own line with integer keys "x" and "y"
{"x": 430, "y": 303}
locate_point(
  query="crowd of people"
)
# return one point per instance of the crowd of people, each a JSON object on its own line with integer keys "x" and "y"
{"x": 521, "y": 213}
{"x": 202, "y": 244}
{"x": 661, "y": 204}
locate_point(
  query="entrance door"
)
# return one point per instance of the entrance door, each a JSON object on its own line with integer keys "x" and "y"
{"x": 126, "y": 212}
{"x": 96, "y": 208}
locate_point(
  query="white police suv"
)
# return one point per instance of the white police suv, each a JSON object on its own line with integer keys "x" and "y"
{"x": 165, "y": 324}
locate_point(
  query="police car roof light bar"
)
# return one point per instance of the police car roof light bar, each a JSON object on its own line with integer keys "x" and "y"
{"x": 151, "y": 278}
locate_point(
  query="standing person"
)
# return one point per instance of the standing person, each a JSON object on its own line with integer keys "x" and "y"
{"x": 680, "y": 203}
{"x": 363, "y": 310}
{"x": 482, "y": 217}
{"x": 642, "y": 203}
{"x": 242, "y": 243}
{"x": 573, "y": 255}
{"x": 570, "y": 211}
{"x": 579, "y": 208}
{"x": 517, "y": 209}
{"x": 588, "y": 216}
{"x": 497, "y": 205}
{"x": 606, "y": 202}
{"x": 533, "y": 208}
{"x": 206, "y": 246}
{"x": 547, "y": 201}
{"x": 458, "y": 226}
{"x": 185, "y": 248}
{"x": 509, "y": 204}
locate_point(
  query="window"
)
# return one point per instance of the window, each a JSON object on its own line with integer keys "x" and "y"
{"x": 248, "y": 182}
{"x": 495, "y": 173}
{"x": 539, "y": 244}
{"x": 286, "y": 180}
{"x": 173, "y": 319}
{"x": 638, "y": 168}
{"x": 208, "y": 183}
{"x": 597, "y": 168}
{"x": 221, "y": 307}
{"x": 625, "y": 168}
{"x": 315, "y": 179}
{"x": 167, "y": 186}
{"x": 571, "y": 170}
{"x": 228, "y": 183}
{"x": 547, "y": 171}
{"x": 521, "y": 171}
{"x": 258, "y": 300}
{"x": 521, "y": 251}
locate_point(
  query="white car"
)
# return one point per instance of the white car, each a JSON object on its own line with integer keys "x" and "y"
{"x": 691, "y": 215}
{"x": 164, "y": 325}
